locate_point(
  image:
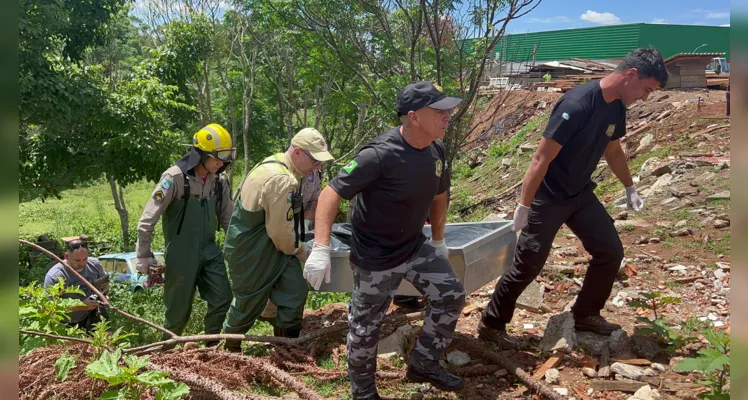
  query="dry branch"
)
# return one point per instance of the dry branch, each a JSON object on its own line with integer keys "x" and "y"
{"x": 261, "y": 339}
{"x": 72, "y": 339}
{"x": 473, "y": 345}
{"x": 196, "y": 381}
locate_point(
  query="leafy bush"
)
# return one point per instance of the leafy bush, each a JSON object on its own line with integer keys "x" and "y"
{"x": 44, "y": 310}
{"x": 662, "y": 330}
{"x": 133, "y": 384}
{"x": 714, "y": 363}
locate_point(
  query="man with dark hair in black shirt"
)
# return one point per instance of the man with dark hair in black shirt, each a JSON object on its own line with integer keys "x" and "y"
{"x": 400, "y": 177}
{"x": 585, "y": 124}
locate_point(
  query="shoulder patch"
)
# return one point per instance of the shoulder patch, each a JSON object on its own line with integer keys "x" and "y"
{"x": 158, "y": 197}
{"x": 289, "y": 214}
{"x": 611, "y": 129}
{"x": 166, "y": 183}
{"x": 351, "y": 166}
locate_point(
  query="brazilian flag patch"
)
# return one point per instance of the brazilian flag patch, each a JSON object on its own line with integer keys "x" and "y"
{"x": 351, "y": 166}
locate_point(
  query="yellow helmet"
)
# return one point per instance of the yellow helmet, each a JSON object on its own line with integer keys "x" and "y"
{"x": 215, "y": 141}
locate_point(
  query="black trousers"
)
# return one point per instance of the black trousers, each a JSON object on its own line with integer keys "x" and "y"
{"x": 590, "y": 222}
{"x": 94, "y": 316}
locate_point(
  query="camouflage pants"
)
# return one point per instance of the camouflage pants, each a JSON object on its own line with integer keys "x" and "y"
{"x": 372, "y": 294}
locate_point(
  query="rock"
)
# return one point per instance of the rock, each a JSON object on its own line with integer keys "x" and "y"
{"x": 645, "y": 142}
{"x": 645, "y": 393}
{"x": 551, "y": 376}
{"x": 506, "y": 162}
{"x": 528, "y": 147}
{"x": 654, "y": 240}
{"x": 496, "y": 217}
{"x": 719, "y": 274}
{"x": 620, "y": 343}
{"x": 719, "y": 224}
{"x": 681, "y": 232}
{"x": 570, "y": 251}
{"x": 649, "y": 372}
{"x": 675, "y": 267}
{"x": 658, "y": 367}
{"x": 416, "y": 396}
{"x": 500, "y": 373}
{"x": 603, "y": 372}
{"x": 561, "y": 391}
{"x": 620, "y": 300}
{"x": 559, "y": 333}
{"x": 395, "y": 343}
{"x": 623, "y": 215}
{"x": 638, "y": 223}
{"x": 589, "y": 372}
{"x": 669, "y": 200}
{"x": 680, "y": 223}
{"x": 664, "y": 115}
{"x": 662, "y": 170}
{"x": 725, "y": 195}
{"x": 568, "y": 307}
{"x": 592, "y": 343}
{"x": 627, "y": 371}
{"x": 645, "y": 347}
{"x": 458, "y": 358}
{"x": 532, "y": 298}
{"x": 660, "y": 184}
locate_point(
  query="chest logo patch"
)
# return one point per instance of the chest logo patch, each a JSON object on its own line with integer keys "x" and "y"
{"x": 611, "y": 129}
{"x": 565, "y": 116}
{"x": 439, "y": 168}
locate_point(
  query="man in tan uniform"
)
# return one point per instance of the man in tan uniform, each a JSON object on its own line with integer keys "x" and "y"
{"x": 193, "y": 196}
{"x": 264, "y": 242}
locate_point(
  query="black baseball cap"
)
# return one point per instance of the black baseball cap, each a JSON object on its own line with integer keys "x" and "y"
{"x": 421, "y": 94}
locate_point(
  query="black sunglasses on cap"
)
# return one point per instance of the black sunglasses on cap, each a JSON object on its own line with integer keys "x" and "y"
{"x": 77, "y": 245}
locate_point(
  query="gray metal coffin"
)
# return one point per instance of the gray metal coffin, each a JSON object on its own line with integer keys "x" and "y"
{"x": 479, "y": 252}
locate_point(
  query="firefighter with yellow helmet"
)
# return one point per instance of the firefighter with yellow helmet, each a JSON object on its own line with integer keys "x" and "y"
{"x": 194, "y": 198}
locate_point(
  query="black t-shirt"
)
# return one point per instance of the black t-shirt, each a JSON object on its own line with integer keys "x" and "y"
{"x": 395, "y": 183}
{"x": 584, "y": 124}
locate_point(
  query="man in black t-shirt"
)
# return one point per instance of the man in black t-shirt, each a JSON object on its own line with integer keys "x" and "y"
{"x": 400, "y": 178}
{"x": 585, "y": 124}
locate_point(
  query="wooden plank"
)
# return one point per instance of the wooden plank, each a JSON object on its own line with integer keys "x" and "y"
{"x": 554, "y": 360}
{"x": 617, "y": 386}
{"x": 633, "y": 361}
{"x": 630, "y": 386}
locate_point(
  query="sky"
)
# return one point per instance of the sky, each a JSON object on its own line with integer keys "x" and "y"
{"x": 565, "y": 14}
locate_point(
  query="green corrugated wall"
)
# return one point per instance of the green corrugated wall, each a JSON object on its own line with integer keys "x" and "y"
{"x": 615, "y": 41}
{"x": 590, "y": 43}
{"x": 674, "y": 39}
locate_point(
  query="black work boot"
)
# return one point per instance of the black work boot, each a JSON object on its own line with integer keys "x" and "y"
{"x": 233, "y": 346}
{"x": 439, "y": 378}
{"x": 596, "y": 324}
{"x": 498, "y": 336}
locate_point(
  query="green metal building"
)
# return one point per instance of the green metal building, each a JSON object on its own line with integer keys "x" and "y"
{"x": 612, "y": 42}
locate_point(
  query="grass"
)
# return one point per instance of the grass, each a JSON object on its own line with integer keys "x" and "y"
{"x": 499, "y": 148}
{"x": 719, "y": 245}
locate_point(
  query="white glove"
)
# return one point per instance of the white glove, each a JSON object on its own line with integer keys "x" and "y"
{"x": 144, "y": 264}
{"x": 441, "y": 248}
{"x": 304, "y": 253}
{"x": 318, "y": 265}
{"x": 633, "y": 200}
{"x": 521, "y": 214}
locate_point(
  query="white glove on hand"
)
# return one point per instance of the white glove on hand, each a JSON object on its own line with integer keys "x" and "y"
{"x": 441, "y": 248}
{"x": 144, "y": 264}
{"x": 304, "y": 253}
{"x": 633, "y": 200}
{"x": 521, "y": 214}
{"x": 318, "y": 265}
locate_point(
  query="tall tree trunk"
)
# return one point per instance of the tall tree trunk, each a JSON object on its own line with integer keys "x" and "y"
{"x": 124, "y": 218}
{"x": 208, "y": 102}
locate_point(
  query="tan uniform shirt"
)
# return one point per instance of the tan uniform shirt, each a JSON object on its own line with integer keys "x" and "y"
{"x": 171, "y": 188}
{"x": 310, "y": 190}
{"x": 269, "y": 187}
